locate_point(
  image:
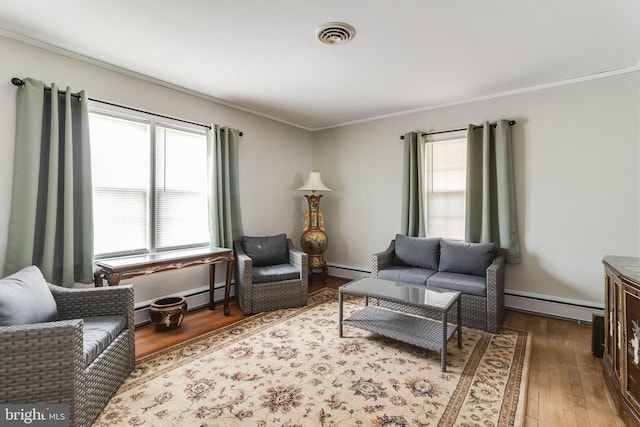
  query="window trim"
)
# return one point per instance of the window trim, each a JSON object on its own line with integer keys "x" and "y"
{"x": 436, "y": 138}
{"x": 153, "y": 121}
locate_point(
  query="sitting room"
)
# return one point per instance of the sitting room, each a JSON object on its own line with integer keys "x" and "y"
{"x": 320, "y": 213}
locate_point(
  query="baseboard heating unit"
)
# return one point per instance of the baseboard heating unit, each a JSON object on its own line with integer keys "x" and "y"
{"x": 568, "y": 309}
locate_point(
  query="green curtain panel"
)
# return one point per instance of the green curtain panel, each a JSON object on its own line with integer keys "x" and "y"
{"x": 225, "y": 219}
{"x": 490, "y": 198}
{"x": 413, "y": 216}
{"x": 51, "y": 222}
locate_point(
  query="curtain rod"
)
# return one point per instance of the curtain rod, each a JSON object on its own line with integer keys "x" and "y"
{"x": 511, "y": 123}
{"x": 19, "y": 82}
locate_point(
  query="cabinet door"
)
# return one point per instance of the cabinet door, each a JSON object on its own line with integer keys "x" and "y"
{"x": 614, "y": 341}
{"x": 631, "y": 371}
{"x": 620, "y": 353}
{"x": 609, "y": 319}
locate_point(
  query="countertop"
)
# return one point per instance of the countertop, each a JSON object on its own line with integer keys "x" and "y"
{"x": 627, "y": 267}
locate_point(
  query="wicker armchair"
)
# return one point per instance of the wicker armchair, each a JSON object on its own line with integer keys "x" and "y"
{"x": 255, "y": 295}
{"x": 479, "y": 312}
{"x": 44, "y": 363}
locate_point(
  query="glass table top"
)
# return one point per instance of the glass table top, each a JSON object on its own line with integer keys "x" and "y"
{"x": 401, "y": 292}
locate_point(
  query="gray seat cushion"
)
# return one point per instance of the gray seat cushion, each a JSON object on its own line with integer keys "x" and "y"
{"x": 466, "y": 258}
{"x": 422, "y": 252}
{"x": 275, "y": 273}
{"x": 25, "y": 298}
{"x": 465, "y": 283}
{"x": 413, "y": 275}
{"x": 269, "y": 250}
{"x": 97, "y": 333}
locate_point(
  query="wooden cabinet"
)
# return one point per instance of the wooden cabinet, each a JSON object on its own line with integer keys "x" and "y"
{"x": 622, "y": 334}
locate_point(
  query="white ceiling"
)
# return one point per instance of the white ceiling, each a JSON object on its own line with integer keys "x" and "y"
{"x": 262, "y": 55}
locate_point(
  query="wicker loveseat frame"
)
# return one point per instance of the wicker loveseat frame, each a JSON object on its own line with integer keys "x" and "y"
{"x": 43, "y": 362}
{"x": 266, "y": 296}
{"x": 479, "y": 312}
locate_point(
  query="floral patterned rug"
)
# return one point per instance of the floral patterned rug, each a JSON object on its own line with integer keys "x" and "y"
{"x": 289, "y": 368}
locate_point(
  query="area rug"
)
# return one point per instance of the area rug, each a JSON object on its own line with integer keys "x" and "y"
{"x": 290, "y": 368}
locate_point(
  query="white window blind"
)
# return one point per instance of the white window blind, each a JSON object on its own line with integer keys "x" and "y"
{"x": 120, "y": 173}
{"x": 150, "y": 185}
{"x": 445, "y": 184}
{"x": 181, "y": 189}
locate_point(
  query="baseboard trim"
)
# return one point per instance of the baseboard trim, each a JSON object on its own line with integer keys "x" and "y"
{"x": 581, "y": 311}
{"x": 347, "y": 272}
{"x": 197, "y": 298}
{"x": 547, "y": 306}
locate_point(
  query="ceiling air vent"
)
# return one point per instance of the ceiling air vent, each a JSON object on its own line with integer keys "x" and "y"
{"x": 335, "y": 33}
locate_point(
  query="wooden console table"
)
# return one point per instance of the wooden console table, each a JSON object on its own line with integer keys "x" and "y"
{"x": 114, "y": 270}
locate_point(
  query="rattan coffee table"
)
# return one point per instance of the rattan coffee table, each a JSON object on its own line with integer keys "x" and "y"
{"x": 427, "y": 332}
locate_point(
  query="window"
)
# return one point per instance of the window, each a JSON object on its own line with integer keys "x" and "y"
{"x": 150, "y": 184}
{"x": 445, "y": 184}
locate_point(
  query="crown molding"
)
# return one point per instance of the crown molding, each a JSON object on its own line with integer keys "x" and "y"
{"x": 144, "y": 77}
{"x": 566, "y": 82}
{"x": 140, "y": 76}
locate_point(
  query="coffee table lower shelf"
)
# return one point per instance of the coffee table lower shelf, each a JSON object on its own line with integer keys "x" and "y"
{"x": 418, "y": 331}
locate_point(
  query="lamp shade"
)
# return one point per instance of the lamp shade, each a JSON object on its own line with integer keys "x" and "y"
{"x": 314, "y": 183}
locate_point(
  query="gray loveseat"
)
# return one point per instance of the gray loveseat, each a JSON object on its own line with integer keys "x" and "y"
{"x": 474, "y": 269}
{"x": 64, "y": 346}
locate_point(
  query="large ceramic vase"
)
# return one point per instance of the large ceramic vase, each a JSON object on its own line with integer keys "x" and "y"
{"x": 167, "y": 312}
{"x": 314, "y": 239}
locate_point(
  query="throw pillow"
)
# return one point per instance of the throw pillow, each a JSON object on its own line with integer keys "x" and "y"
{"x": 269, "y": 250}
{"x": 466, "y": 258}
{"x": 421, "y": 252}
{"x": 25, "y": 298}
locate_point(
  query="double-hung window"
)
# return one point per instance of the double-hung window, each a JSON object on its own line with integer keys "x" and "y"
{"x": 445, "y": 185}
{"x": 149, "y": 184}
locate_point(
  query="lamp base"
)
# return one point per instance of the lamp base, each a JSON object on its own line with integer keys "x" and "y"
{"x": 314, "y": 239}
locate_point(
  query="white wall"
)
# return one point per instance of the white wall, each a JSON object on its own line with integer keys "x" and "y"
{"x": 274, "y": 158}
{"x": 576, "y": 154}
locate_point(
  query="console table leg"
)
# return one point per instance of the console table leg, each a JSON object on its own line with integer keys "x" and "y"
{"x": 113, "y": 279}
{"x": 212, "y": 281}
{"x": 227, "y": 287}
{"x": 98, "y": 282}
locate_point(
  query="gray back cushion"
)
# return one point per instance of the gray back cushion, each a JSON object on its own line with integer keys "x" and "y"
{"x": 269, "y": 250}
{"x": 421, "y": 252}
{"x": 25, "y": 298}
{"x": 466, "y": 258}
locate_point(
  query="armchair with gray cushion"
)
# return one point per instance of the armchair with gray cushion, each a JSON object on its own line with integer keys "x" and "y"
{"x": 270, "y": 274}
{"x": 64, "y": 346}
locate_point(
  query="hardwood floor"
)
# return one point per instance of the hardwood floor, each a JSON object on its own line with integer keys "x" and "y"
{"x": 566, "y": 386}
